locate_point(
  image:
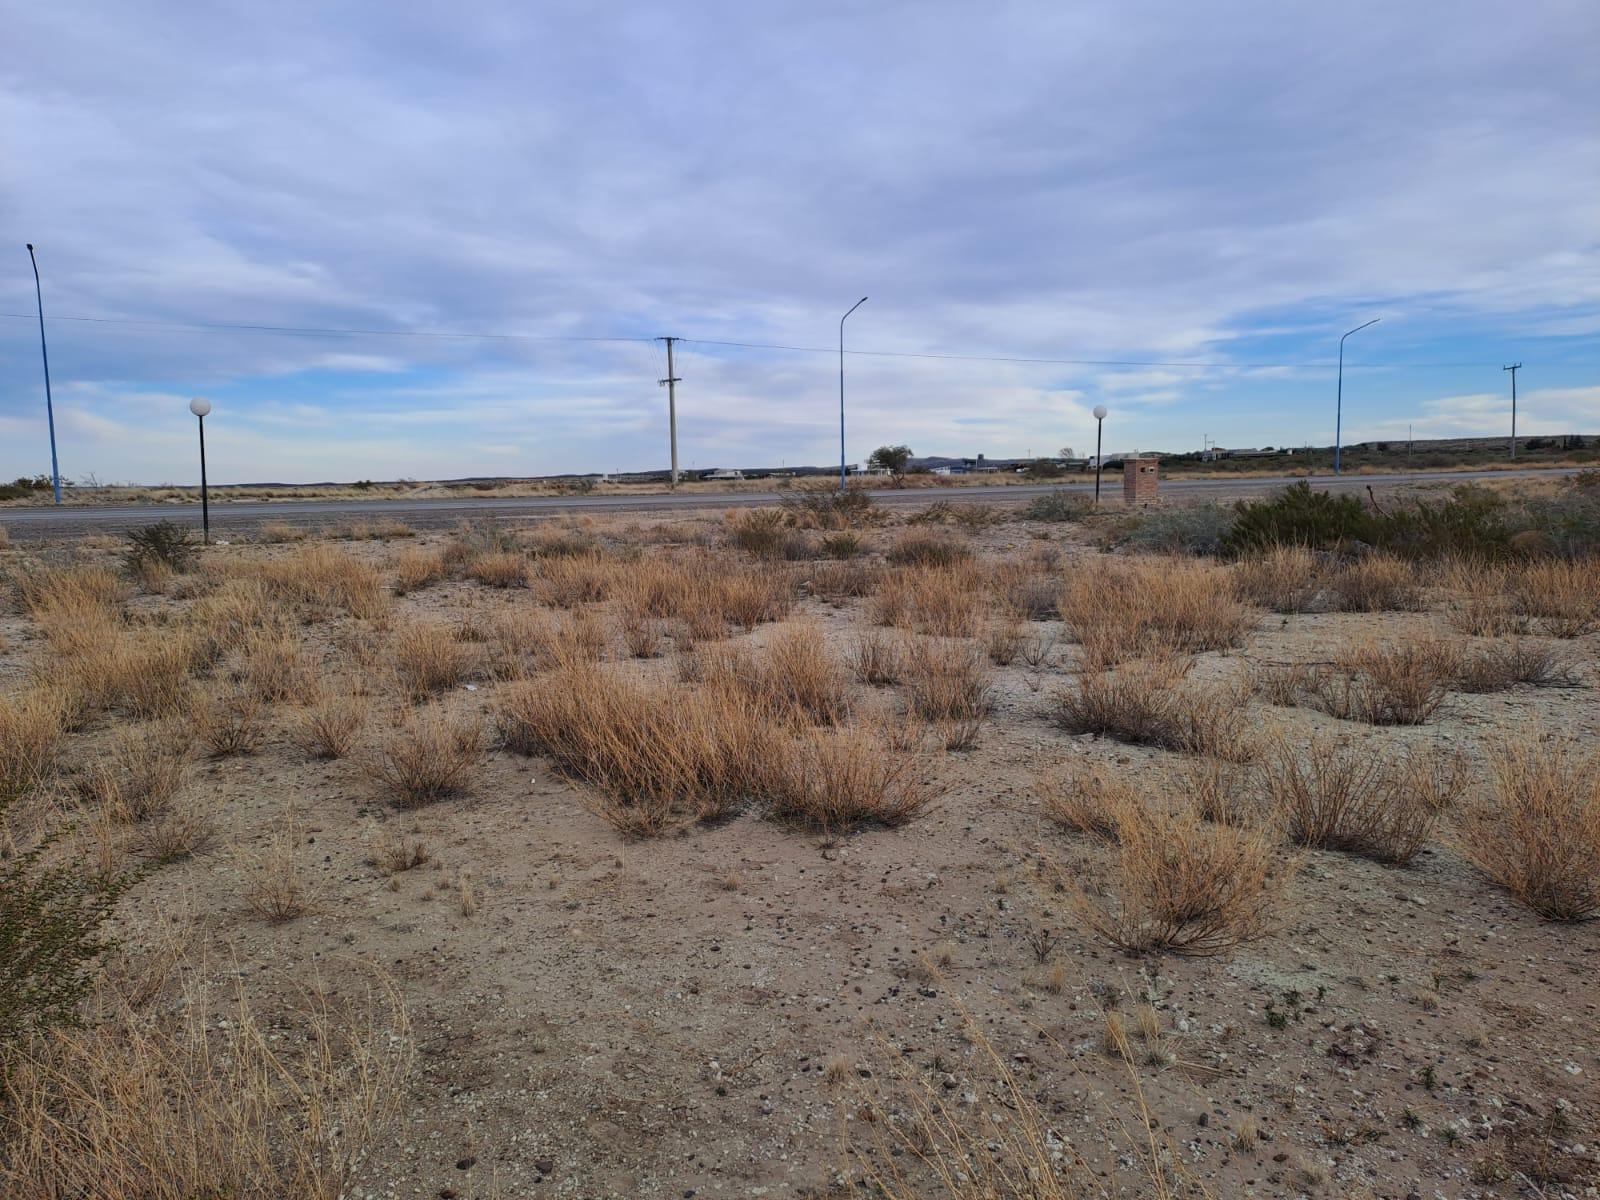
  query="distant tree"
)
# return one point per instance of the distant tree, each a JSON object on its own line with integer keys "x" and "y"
{"x": 1065, "y": 452}
{"x": 1042, "y": 468}
{"x": 890, "y": 458}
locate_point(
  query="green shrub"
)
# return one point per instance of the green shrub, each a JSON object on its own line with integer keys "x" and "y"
{"x": 1571, "y": 519}
{"x": 1472, "y": 522}
{"x": 1057, "y": 506}
{"x": 830, "y": 510}
{"x": 1187, "y": 529}
{"x": 1297, "y": 516}
{"x": 50, "y": 936}
{"x": 164, "y": 543}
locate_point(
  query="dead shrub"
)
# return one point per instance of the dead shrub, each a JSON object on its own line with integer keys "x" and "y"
{"x": 793, "y": 674}
{"x": 428, "y": 658}
{"x": 878, "y": 659}
{"x": 414, "y": 569}
{"x": 1385, "y": 684}
{"x": 1375, "y": 583}
{"x": 275, "y": 666}
{"x": 939, "y": 601}
{"x": 1536, "y": 832}
{"x": 1562, "y": 596}
{"x": 1085, "y": 800}
{"x": 1339, "y": 797}
{"x": 179, "y": 830}
{"x": 327, "y": 726}
{"x": 1003, "y": 641}
{"x": 836, "y": 780}
{"x": 1144, "y": 608}
{"x": 140, "y": 771}
{"x": 1180, "y": 885}
{"x": 147, "y": 675}
{"x": 432, "y": 757}
{"x": 1220, "y": 791}
{"x": 504, "y": 569}
{"x": 570, "y": 580}
{"x": 226, "y": 720}
{"x": 1283, "y": 579}
{"x": 1500, "y": 666}
{"x": 1481, "y": 604}
{"x": 1150, "y": 703}
{"x": 835, "y": 581}
{"x": 947, "y": 681}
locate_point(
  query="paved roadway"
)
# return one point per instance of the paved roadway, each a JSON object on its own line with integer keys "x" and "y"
{"x": 76, "y": 520}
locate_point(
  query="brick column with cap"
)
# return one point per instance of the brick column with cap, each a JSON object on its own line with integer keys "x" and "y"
{"x": 1140, "y": 482}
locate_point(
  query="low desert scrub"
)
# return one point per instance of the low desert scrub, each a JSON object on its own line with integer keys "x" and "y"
{"x": 1385, "y": 684}
{"x": 274, "y": 887}
{"x": 226, "y": 720}
{"x": 1220, "y": 791}
{"x": 1181, "y": 885}
{"x": 504, "y": 569}
{"x": 842, "y": 544}
{"x": 325, "y": 578}
{"x": 1002, "y": 640}
{"x": 429, "y": 658}
{"x": 1026, "y": 589}
{"x": 434, "y": 755}
{"x": 201, "y": 1098}
{"x": 1150, "y": 703}
{"x": 939, "y": 601}
{"x": 1151, "y": 607}
{"x": 1481, "y": 602}
{"x": 947, "y": 681}
{"x": 232, "y": 614}
{"x": 1536, "y": 832}
{"x": 147, "y": 675}
{"x": 879, "y": 659}
{"x": 765, "y": 533}
{"x": 1088, "y": 800}
{"x": 1562, "y": 597}
{"x": 1375, "y": 583}
{"x": 518, "y": 641}
{"x": 641, "y": 636}
{"x": 395, "y": 852}
{"x": 1499, "y": 666}
{"x": 824, "y": 508}
{"x": 1283, "y": 579}
{"x": 140, "y": 771}
{"x": 182, "y": 829}
{"x": 72, "y": 606}
{"x": 327, "y": 726}
{"x": 272, "y": 532}
{"x": 32, "y": 726}
{"x": 1333, "y": 796}
{"x": 928, "y": 550}
{"x": 414, "y": 568}
{"x": 837, "y": 780}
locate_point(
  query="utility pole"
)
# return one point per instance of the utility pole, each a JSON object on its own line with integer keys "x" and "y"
{"x": 1514, "y": 368}
{"x": 672, "y": 382}
{"x": 44, "y": 351}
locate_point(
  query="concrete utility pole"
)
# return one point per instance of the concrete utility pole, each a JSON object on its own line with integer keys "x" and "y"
{"x": 49, "y": 404}
{"x": 671, "y": 382}
{"x": 1514, "y": 368}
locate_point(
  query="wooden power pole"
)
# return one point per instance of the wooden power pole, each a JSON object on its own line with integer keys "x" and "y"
{"x": 671, "y": 382}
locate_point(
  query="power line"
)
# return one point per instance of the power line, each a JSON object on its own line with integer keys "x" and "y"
{"x": 469, "y": 335}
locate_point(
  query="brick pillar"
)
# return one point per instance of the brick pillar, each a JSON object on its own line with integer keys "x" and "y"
{"x": 1140, "y": 482}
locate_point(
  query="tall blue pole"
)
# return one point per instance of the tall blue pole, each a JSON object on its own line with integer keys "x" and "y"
{"x": 1338, "y": 411}
{"x": 853, "y": 307}
{"x": 49, "y": 404}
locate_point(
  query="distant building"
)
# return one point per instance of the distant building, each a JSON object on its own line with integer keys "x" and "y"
{"x": 722, "y": 473}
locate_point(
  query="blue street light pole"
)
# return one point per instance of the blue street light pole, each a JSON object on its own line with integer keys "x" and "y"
{"x": 1338, "y": 412}
{"x": 853, "y": 307}
{"x": 49, "y": 404}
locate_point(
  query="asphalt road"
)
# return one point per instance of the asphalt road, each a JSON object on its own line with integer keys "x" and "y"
{"x": 38, "y": 523}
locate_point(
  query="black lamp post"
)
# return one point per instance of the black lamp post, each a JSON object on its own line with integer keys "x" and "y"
{"x": 200, "y": 408}
{"x": 1338, "y": 411}
{"x": 49, "y": 405}
{"x": 1099, "y": 429}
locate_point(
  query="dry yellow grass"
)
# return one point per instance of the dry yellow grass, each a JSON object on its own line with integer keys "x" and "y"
{"x": 325, "y": 578}
{"x": 836, "y": 780}
{"x": 1145, "y": 608}
{"x": 878, "y": 659}
{"x": 1375, "y": 583}
{"x": 140, "y": 771}
{"x": 503, "y": 569}
{"x": 1150, "y": 703}
{"x": 414, "y": 568}
{"x": 1393, "y": 683}
{"x": 327, "y": 726}
{"x": 793, "y": 674}
{"x": 429, "y": 658}
{"x": 1561, "y": 596}
{"x": 275, "y": 666}
{"x": 32, "y": 725}
{"x": 942, "y": 601}
{"x": 1536, "y": 832}
{"x": 434, "y": 755}
{"x": 1284, "y": 579}
{"x": 226, "y": 720}
{"x": 947, "y": 681}
{"x": 1085, "y": 799}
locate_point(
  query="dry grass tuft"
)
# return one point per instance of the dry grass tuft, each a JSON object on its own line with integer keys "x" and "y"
{"x": 395, "y": 852}
{"x": 940, "y": 601}
{"x": 432, "y": 757}
{"x": 32, "y": 726}
{"x": 878, "y": 660}
{"x": 1562, "y": 596}
{"x": 1385, "y": 684}
{"x": 1338, "y": 797}
{"x": 429, "y": 658}
{"x": 1537, "y": 831}
{"x": 836, "y": 780}
{"x": 1183, "y": 886}
{"x": 1150, "y": 608}
{"x": 323, "y": 577}
{"x": 1092, "y": 800}
{"x": 415, "y": 568}
{"x": 327, "y": 726}
{"x": 140, "y": 771}
{"x": 1284, "y": 579}
{"x": 928, "y": 550}
{"x": 949, "y": 682}
{"x": 1149, "y": 703}
{"x": 793, "y": 675}
{"x": 1498, "y": 666}
{"x": 275, "y": 666}
{"x": 1375, "y": 583}
{"x": 502, "y": 569}
{"x": 570, "y": 580}
{"x": 182, "y": 829}
{"x": 836, "y": 581}
{"x": 226, "y": 720}
{"x": 274, "y": 888}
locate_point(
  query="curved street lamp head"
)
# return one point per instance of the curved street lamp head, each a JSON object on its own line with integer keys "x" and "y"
{"x": 199, "y": 407}
{"x": 1359, "y": 328}
{"x": 1099, "y": 412}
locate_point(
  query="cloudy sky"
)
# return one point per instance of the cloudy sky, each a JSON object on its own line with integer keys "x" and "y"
{"x": 1184, "y": 204}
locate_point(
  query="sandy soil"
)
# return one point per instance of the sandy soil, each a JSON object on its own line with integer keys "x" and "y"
{"x": 655, "y": 1018}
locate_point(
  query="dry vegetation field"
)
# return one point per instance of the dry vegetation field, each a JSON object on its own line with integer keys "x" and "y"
{"x": 805, "y": 851}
